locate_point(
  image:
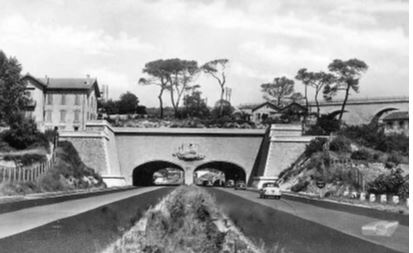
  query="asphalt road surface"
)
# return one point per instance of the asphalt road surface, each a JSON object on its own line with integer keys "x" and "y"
{"x": 84, "y": 225}
{"x": 90, "y": 224}
{"x": 300, "y": 227}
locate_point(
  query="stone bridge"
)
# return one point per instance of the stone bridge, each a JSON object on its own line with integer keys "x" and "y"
{"x": 363, "y": 110}
{"x": 130, "y": 156}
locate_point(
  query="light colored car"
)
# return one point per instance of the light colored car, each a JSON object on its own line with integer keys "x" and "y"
{"x": 270, "y": 190}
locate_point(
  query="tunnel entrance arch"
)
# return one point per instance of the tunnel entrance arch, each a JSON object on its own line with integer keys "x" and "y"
{"x": 144, "y": 174}
{"x": 230, "y": 170}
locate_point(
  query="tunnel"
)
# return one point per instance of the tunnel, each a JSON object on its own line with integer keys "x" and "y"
{"x": 230, "y": 170}
{"x": 143, "y": 175}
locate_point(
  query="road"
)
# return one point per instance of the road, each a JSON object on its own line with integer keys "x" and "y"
{"x": 90, "y": 224}
{"x": 83, "y": 225}
{"x": 302, "y": 227}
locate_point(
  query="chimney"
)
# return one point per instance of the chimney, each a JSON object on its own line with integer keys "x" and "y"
{"x": 47, "y": 79}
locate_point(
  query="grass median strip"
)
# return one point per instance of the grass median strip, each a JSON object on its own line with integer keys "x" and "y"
{"x": 187, "y": 220}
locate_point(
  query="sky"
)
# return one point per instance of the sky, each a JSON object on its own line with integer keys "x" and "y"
{"x": 112, "y": 40}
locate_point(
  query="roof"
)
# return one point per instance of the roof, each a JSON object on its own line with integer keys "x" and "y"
{"x": 67, "y": 83}
{"x": 396, "y": 116}
{"x": 264, "y": 104}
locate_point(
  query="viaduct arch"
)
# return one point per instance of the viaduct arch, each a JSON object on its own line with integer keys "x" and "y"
{"x": 364, "y": 111}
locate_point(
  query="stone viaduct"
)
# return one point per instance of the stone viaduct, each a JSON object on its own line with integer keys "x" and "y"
{"x": 363, "y": 111}
{"x": 126, "y": 156}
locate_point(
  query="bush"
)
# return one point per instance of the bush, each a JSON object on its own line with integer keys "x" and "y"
{"x": 374, "y": 137}
{"x": 26, "y": 159}
{"x": 340, "y": 144}
{"x": 387, "y": 183}
{"x": 315, "y": 145}
{"x": 394, "y": 142}
{"x": 328, "y": 124}
{"x": 315, "y": 130}
{"x": 23, "y": 133}
{"x": 361, "y": 154}
{"x": 404, "y": 189}
{"x": 300, "y": 186}
{"x": 393, "y": 160}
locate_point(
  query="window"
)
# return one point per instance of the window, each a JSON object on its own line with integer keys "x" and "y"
{"x": 49, "y": 116}
{"x": 49, "y": 99}
{"x": 77, "y": 116}
{"x": 77, "y": 99}
{"x": 63, "y": 99}
{"x": 62, "y": 115}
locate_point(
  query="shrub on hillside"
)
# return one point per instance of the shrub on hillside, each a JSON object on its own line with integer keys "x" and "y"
{"x": 361, "y": 154}
{"x": 26, "y": 159}
{"x": 340, "y": 144}
{"x": 300, "y": 186}
{"x": 315, "y": 145}
{"x": 394, "y": 142}
{"x": 387, "y": 183}
{"x": 328, "y": 124}
{"x": 23, "y": 133}
{"x": 404, "y": 189}
{"x": 374, "y": 137}
{"x": 315, "y": 130}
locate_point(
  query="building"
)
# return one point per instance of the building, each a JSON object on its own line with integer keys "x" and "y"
{"x": 62, "y": 103}
{"x": 269, "y": 111}
{"x": 397, "y": 122}
{"x": 264, "y": 111}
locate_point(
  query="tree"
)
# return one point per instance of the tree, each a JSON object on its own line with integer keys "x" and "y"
{"x": 226, "y": 111}
{"x": 296, "y": 97}
{"x": 110, "y": 107}
{"x": 127, "y": 103}
{"x": 157, "y": 76}
{"x": 12, "y": 90}
{"x": 216, "y": 69}
{"x": 180, "y": 74}
{"x": 195, "y": 106}
{"x": 347, "y": 74}
{"x": 278, "y": 90}
{"x": 317, "y": 80}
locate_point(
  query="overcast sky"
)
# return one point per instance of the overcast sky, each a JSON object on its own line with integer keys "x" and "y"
{"x": 112, "y": 40}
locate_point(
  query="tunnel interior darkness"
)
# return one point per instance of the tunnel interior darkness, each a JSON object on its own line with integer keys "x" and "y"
{"x": 143, "y": 174}
{"x": 231, "y": 171}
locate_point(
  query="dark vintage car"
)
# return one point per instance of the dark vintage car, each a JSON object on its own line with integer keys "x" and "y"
{"x": 240, "y": 185}
{"x": 229, "y": 183}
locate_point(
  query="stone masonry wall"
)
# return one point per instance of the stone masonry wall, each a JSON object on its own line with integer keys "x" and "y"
{"x": 91, "y": 151}
{"x": 282, "y": 155}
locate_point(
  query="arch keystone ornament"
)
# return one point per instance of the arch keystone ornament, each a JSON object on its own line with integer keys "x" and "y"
{"x": 189, "y": 152}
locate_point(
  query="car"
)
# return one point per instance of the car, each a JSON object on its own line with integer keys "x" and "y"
{"x": 270, "y": 190}
{"x": 240, "y": 185}
{"x": 229, "y": 183}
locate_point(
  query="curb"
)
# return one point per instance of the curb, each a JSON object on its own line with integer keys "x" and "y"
{"x": 346, "y": 207}
{"x": 18, "y": 202}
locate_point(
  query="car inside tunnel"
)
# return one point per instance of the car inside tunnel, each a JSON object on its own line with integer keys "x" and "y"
{"x": 231, "y": 171}
{"x": 157, "y": 173}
